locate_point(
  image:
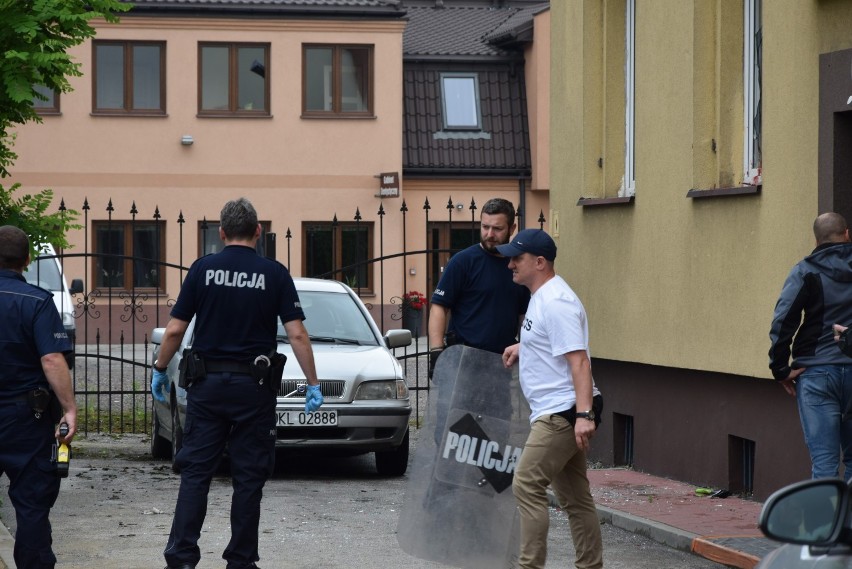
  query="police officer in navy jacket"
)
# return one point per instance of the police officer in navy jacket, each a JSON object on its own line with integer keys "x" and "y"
{"x": 33, "y": 369}
{"x": 236, "y": 297}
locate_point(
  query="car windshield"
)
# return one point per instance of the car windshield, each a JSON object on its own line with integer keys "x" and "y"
{"x": 44, "y": 273}
{"x": 334, "y": 318}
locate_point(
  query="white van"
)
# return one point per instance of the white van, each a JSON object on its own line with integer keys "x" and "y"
{"x": 47, "y": 274}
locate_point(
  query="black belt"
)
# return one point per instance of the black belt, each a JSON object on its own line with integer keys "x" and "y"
{"x": 213, "y": 366}
{"x": 13, "y": 398}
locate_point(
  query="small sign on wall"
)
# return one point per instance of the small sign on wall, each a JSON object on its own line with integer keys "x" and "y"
{"x": 389, "y": 185}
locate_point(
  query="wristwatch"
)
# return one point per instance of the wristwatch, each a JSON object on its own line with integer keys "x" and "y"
{"x": 158, "y": 368}
{"x": 590, "y": 414}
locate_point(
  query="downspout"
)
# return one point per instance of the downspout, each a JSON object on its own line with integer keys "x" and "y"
{"x": 522, "y": 202}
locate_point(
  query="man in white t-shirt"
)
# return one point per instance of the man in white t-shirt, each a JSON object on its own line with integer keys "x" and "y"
{"x": 556, "y": 377}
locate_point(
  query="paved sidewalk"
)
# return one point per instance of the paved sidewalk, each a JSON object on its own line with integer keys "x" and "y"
{"x": 721, "y": 529}
{"x": 667, "y": 511}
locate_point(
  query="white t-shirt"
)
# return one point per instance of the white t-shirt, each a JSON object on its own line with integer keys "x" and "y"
{"x": 555, "y": 324}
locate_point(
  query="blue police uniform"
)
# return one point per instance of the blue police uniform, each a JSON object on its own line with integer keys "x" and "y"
{"x": 484, "y": 302}
{"x": 31, "y": 328}
{"x": 485, "y": 305}
{"x": 236, "y": 297}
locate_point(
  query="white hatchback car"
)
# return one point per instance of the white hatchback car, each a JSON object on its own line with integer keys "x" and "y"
{"x": 45, "y": 271}
{"x": 367, "y": 405}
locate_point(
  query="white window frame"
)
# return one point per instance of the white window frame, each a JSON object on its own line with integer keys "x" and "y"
{"x": 752, "y": 161}
{"x": 628, "y": 180}
{"x": 477, "y": 110}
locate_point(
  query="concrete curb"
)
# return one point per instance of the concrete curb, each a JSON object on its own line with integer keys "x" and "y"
{"x": 673, "y": 537}
{"x": 708, "y": 548}
{"x": 661, "y": 533}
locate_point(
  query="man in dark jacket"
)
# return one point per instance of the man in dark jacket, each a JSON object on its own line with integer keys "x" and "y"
{"x": 820, "y": 375}
{"x": 237, "y": 298}
{"x": 33, "y": 344}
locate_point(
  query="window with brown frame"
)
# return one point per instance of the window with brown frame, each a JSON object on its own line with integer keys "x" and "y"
{"x": 210, "y": 242}
{"x": 233, "y": 79}
{"x": 129, "y": 77}
{"x": 129, "y": 254}
{"x": 50, "y": 104}
{"x": 339, "y": 251}
{"x": 337, "y": 80}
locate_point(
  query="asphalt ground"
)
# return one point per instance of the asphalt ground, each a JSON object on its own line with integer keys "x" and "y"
{"x": 116, "y": 506}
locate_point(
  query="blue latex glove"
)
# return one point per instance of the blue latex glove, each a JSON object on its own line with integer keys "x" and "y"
{"x": 313, "y": 398}
{"x": 159, "y": 384}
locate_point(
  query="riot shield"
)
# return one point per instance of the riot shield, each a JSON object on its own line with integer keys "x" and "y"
{"x": 459, "y": 509}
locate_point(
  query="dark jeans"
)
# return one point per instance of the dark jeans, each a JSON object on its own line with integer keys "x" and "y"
{"x": 234, "y": 409}
{"x": 25, "y": 457}
{"x": 824, "y": 395}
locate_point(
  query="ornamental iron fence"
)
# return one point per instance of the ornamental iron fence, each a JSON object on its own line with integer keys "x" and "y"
{"x": 123, "y": 300}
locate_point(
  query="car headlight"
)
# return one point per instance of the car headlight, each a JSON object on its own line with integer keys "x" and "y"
{"x": 394, "y": 389}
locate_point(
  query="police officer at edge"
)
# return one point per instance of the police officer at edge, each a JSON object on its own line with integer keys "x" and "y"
{"x": 236, "y": 297}
{"x": 33, "y": 342}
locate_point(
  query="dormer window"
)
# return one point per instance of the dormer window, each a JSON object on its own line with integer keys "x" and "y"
{"x": 460, "y": 98}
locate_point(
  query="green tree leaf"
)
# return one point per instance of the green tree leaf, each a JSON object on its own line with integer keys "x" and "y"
{"x": 35, "y": 36}
{"x": 29, "y": 212}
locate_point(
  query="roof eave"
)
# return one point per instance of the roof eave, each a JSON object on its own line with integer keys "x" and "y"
{"x": 520, "y": 35}
{"x": 437, "y": 172}
{"x": 423, "y": 58}
{"x": 195, "y": 10}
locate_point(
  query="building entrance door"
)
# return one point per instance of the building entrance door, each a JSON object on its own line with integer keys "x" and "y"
{"x": 446, "y": 239}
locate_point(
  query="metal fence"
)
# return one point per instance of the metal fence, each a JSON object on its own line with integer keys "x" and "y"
{"x": 111, "y": 372}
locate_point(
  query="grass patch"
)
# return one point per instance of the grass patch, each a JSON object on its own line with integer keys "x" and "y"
{"x": 113, "y": 421}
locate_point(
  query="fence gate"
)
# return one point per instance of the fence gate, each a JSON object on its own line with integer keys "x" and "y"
{"x": 123, "y": 302}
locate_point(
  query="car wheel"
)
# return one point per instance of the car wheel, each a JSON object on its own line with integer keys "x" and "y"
{"x": 177, "y": 437}
{"x": 393, "y": 462}
{"x": 161, "y": 447}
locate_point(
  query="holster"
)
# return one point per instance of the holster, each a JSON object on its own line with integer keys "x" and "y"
{"x": 268, "y": 370}
{"x": 39, "y": 401}
{"x": 191, "y": 368}
{"x": 597, "y": 406}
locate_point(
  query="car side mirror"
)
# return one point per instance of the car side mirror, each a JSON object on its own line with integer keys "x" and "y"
{"x": 76, "y": 286}
{"x": 806, "y": 513}
{"x": 398, "y": 338}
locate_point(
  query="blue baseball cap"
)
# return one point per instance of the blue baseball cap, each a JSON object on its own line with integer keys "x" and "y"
{"x": 533, "y": 241}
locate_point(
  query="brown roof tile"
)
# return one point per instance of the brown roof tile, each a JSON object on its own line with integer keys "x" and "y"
{"x": 453, "y": 30}
{"x": 500, "y": 148}
{"x": 458, "y": 37}
{"x": 357, "y": 7}
{"x": 517, "y": 27}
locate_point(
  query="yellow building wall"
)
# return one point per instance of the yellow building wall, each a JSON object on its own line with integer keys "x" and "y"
{"x": 669, "y": 280}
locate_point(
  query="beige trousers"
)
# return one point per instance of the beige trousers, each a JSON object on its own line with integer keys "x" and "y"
{"x": 551, "y": 457}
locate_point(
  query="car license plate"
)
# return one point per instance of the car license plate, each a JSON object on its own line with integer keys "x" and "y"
{"x": 302, "y": 419}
